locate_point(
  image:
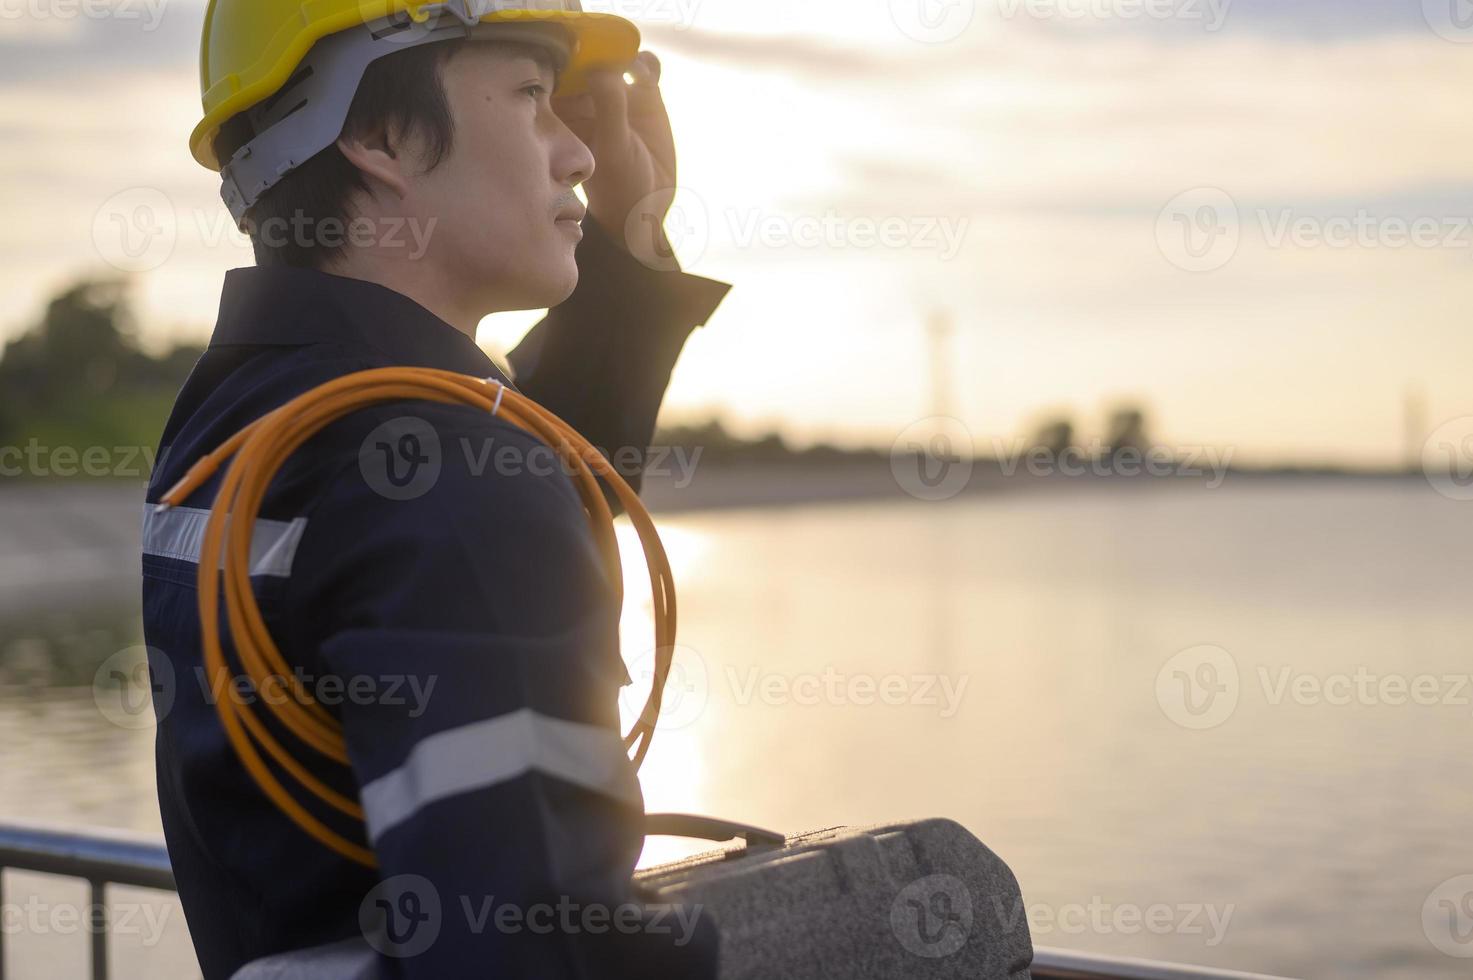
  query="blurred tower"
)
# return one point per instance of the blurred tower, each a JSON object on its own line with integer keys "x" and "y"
{"x": 940, "y": 330}
{"x": 1414, "y": 426}
{"x": 942, "y": 605}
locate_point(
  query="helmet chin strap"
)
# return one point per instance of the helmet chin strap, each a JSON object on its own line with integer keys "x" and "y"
{"x": 306, "y": 116}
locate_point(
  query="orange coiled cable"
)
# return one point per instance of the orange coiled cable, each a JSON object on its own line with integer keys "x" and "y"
{"x": 258, "y": 451}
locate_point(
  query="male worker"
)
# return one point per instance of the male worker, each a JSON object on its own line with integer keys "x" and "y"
{"x": 403, "y": 172}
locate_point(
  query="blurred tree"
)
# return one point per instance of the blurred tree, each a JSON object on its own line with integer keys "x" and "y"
{"x": 1055, "y": 436}
{"x": 1127, "y": 429}
{"x": 79, "y": 377}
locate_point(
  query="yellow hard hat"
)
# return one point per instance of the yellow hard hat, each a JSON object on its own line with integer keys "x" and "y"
{"x": 252, "y": 48}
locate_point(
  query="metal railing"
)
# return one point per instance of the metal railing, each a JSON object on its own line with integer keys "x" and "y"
{"x": 99, "y": 858}
{"x": 103, "y": 858}
{"x": 1058, "y": 964}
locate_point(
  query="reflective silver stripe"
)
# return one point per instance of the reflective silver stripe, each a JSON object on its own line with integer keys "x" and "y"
{"x": 485, "y": 753}
{"x": 177, "y": 532}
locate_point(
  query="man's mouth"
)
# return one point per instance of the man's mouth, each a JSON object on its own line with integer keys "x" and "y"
{"x": 572, "y": 214}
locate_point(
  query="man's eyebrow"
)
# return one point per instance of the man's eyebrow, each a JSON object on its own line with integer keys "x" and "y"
{"x": 543, "y": 58}
{"x": 546, "y": 71}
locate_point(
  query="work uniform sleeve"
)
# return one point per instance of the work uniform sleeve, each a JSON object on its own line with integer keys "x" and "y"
{"x": 504, "y": 814}
{"x": 602, "y": 359}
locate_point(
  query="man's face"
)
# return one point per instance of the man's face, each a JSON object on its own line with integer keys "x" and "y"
{"x": 506, "y": 216}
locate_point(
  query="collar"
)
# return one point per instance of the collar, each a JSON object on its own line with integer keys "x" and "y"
{"x": 285, "y": 306}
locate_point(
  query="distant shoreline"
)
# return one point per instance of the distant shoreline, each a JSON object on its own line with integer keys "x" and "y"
{"x": 793, "y": 483}
{"x": 63, "y": 538}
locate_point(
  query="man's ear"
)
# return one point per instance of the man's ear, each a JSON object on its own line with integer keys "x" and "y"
{"x": 381, "y": 156}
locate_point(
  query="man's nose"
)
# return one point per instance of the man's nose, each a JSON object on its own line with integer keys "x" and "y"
{"x": 573, "y": 162}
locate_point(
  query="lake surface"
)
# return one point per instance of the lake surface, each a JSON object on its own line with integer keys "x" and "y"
{"x": 1230, "y": 727}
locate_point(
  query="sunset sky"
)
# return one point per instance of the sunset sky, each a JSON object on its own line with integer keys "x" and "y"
{"x": 1252, "y": 216}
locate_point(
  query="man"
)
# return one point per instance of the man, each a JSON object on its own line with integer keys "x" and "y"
{"x": 401, "y": 178}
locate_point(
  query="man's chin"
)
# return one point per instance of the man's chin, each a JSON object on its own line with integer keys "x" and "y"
{"x": 547, "y": 290}
{"x": 566, "y": 283}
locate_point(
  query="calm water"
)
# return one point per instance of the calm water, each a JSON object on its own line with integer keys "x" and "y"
{"x": 1270, "y": 799}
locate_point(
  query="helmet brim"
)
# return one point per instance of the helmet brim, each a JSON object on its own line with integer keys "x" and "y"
{"x": 600, "y": 41}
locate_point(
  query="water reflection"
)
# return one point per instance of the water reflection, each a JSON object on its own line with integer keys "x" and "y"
{"x": 996, "y": 661}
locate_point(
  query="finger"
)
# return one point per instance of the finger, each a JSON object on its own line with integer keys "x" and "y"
{"x": 611, "y": 108}
{"x": 650, "y": 60}
{"x": 644, "y": 90}
{"x": 645, "y": 69}
{"x": 648, "y": 116}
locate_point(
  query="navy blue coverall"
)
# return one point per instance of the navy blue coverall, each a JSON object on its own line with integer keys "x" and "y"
{"x": 430, "y": 575}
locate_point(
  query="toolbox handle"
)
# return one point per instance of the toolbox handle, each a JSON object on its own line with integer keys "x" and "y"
{"x": 709, "y": 828}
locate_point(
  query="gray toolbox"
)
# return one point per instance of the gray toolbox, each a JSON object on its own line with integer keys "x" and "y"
{"x": 903, "y": 901}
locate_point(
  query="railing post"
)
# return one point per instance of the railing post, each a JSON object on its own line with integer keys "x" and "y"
{"x": 97, "y": 920}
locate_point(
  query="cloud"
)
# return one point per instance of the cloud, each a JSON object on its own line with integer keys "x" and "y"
{"x": 53, "y": 44}
{"x": 758, "y": 52}
{"x": 1304, "y": 20}
{"x": 1060, "y": 146}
